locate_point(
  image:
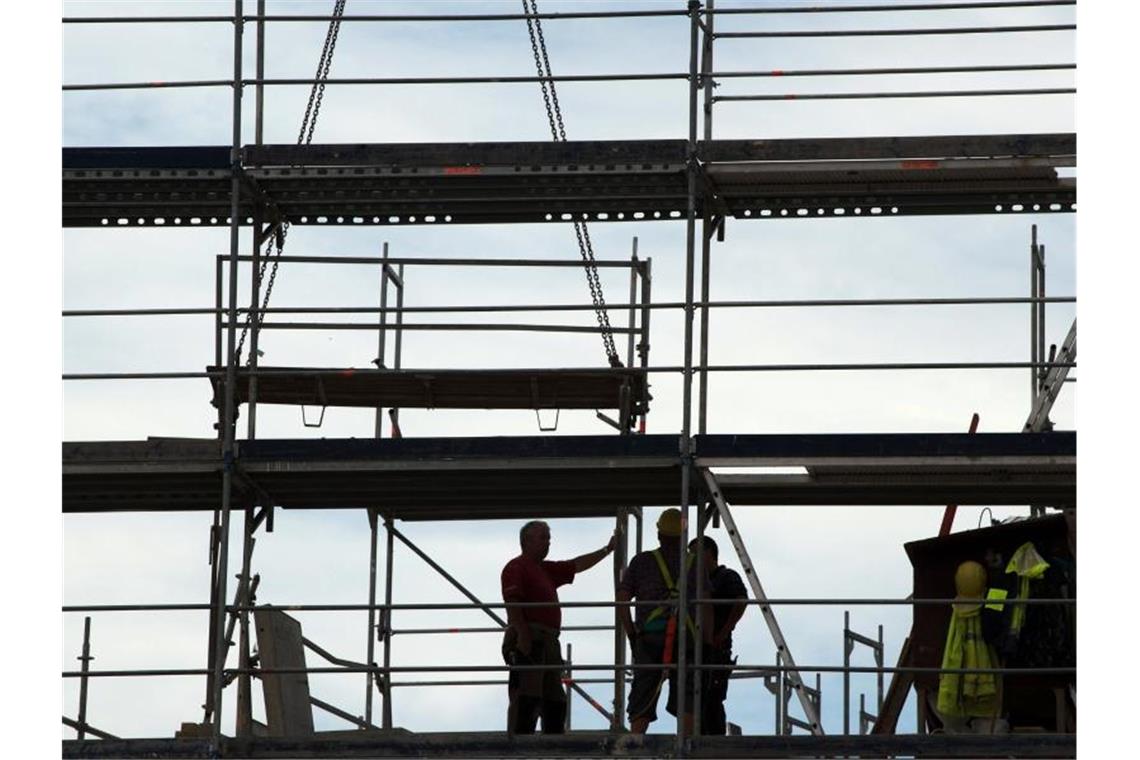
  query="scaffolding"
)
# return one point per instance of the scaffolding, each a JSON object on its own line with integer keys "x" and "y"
{"x": 701, "y": 180}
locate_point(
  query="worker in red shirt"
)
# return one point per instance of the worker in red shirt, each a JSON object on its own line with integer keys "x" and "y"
{"x": 531, "y": 637}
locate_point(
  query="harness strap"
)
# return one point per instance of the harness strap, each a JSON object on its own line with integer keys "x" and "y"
{"x": 672, "y": 587}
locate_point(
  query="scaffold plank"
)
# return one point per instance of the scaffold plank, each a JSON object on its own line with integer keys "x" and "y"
{"x": 614, "y": 180}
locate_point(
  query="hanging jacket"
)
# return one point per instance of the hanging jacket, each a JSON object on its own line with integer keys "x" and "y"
{"x": 1029, "y": 566}
{"x": 1041, "y": 635}
{"x": 968, "y": 695}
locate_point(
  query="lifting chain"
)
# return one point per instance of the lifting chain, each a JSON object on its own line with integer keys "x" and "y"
{"x": 558, "y": 132}
{"x": 304, "y": 137}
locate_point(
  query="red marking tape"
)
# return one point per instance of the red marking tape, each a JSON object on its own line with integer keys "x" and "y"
{"x": 926, "y": 164}
{"x": 463, "y": 170}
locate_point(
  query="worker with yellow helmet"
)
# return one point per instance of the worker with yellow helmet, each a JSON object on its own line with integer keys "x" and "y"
{"x": 653, "y": 576}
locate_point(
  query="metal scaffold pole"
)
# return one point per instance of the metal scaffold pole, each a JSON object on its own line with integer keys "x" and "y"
{"x": 687, "y": 382}
{"x": 370, "y": 676}
{"x": 85, "y": 664}
{"x": 222, "y": 543}
{"x": 707, "y": 229}
{"x": 1033, "y": 357}
{"x": 386, "y": 623}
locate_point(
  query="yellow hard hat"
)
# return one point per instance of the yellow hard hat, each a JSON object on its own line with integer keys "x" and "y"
{"x": 669, "y": 523}
{"x": 970, "y": 583}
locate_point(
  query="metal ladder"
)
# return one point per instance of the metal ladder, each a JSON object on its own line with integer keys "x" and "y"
{"x": 783, "y": 653}
{"x": 1051, "y": 384}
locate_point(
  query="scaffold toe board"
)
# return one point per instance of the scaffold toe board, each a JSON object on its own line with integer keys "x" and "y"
{"x": 613, "y": 180}
{"x": 569, "y": 476}
{"x": 441, "y": 389}
{"x": 583, "y": 744}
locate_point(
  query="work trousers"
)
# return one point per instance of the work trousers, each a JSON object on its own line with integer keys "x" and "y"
{"x": 714, "y": 692}
{"x": 535, "y": 693}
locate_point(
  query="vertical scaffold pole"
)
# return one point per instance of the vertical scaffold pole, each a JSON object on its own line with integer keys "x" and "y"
{"x": 621, "y": 553}
{"x": 371, "y": 641}
{"x": 84, "y": 660}
{"x": 702, "y": 413}
{"x": 706, "y": 232}
{"x": 687, "y": 385}
{"x": 633, "y": 271}
{"x": 243, "y": 724}
{"x": 1033, "y": 358}
{"x": 1042, "y": 356}
{"x": 847, "y": 646}
{"x": 215, "y": 526}
{"x": 643, "y": 349}
{"x": 259, "y": 90}
{"x": 381, "y": 338}
{"x": 386, "y": 622}
{"x": 373, "y": 521}
{"x": 621, "y": 527}
{"x": 219, "y": 643}
{"x": 879, "y": 675}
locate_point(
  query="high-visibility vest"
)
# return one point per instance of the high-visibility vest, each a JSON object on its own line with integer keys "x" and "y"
{"x": 672, "y": 587}
{"x": 966, "y": 695}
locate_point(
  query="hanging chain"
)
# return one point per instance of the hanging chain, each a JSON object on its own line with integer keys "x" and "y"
{"x": 558, "y": 132}
{"x": 304, "y": 137}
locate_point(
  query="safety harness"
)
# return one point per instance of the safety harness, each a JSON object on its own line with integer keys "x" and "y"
{"x": 670, "y": 624}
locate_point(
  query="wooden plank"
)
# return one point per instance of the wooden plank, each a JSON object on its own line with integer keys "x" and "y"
{"x": 287, "y": 709}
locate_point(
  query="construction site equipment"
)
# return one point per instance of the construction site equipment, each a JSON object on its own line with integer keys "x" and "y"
{"x": 850, "y": 639}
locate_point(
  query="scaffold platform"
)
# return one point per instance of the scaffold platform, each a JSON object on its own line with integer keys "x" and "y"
{"x": 400, "y": 743}
{"x": 570, "y": 476}
{"x": 442, "y": 389}
{"x": 604, "y": 180}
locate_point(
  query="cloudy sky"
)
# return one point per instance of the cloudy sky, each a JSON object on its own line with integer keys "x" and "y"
{"x": 323, "y": 556}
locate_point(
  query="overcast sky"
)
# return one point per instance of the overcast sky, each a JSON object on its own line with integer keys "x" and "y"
{"x": 323, "y": 556}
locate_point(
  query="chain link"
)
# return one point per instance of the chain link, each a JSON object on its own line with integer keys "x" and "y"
{"x": 275, "y": 246}
{"x": 558, "y": 133}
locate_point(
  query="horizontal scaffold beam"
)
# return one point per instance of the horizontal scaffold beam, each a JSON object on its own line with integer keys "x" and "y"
{"x": 571, "y": 476}
{"x": 603, "y": 180}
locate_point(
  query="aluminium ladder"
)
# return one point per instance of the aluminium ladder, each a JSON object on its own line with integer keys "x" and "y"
{"x": 1052, "y": 383}
{"x": 785, "y": 654}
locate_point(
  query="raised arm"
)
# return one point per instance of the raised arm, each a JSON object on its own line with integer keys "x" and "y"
{"x": 586, "y": 561}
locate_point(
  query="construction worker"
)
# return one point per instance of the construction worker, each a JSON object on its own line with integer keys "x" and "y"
{"x": 652, "y": 576}
{"x": 531, "y": 637}
{"x": 723, "y": 584}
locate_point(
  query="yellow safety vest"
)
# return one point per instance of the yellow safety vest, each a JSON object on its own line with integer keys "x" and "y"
{"x": 967, "y": 695}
